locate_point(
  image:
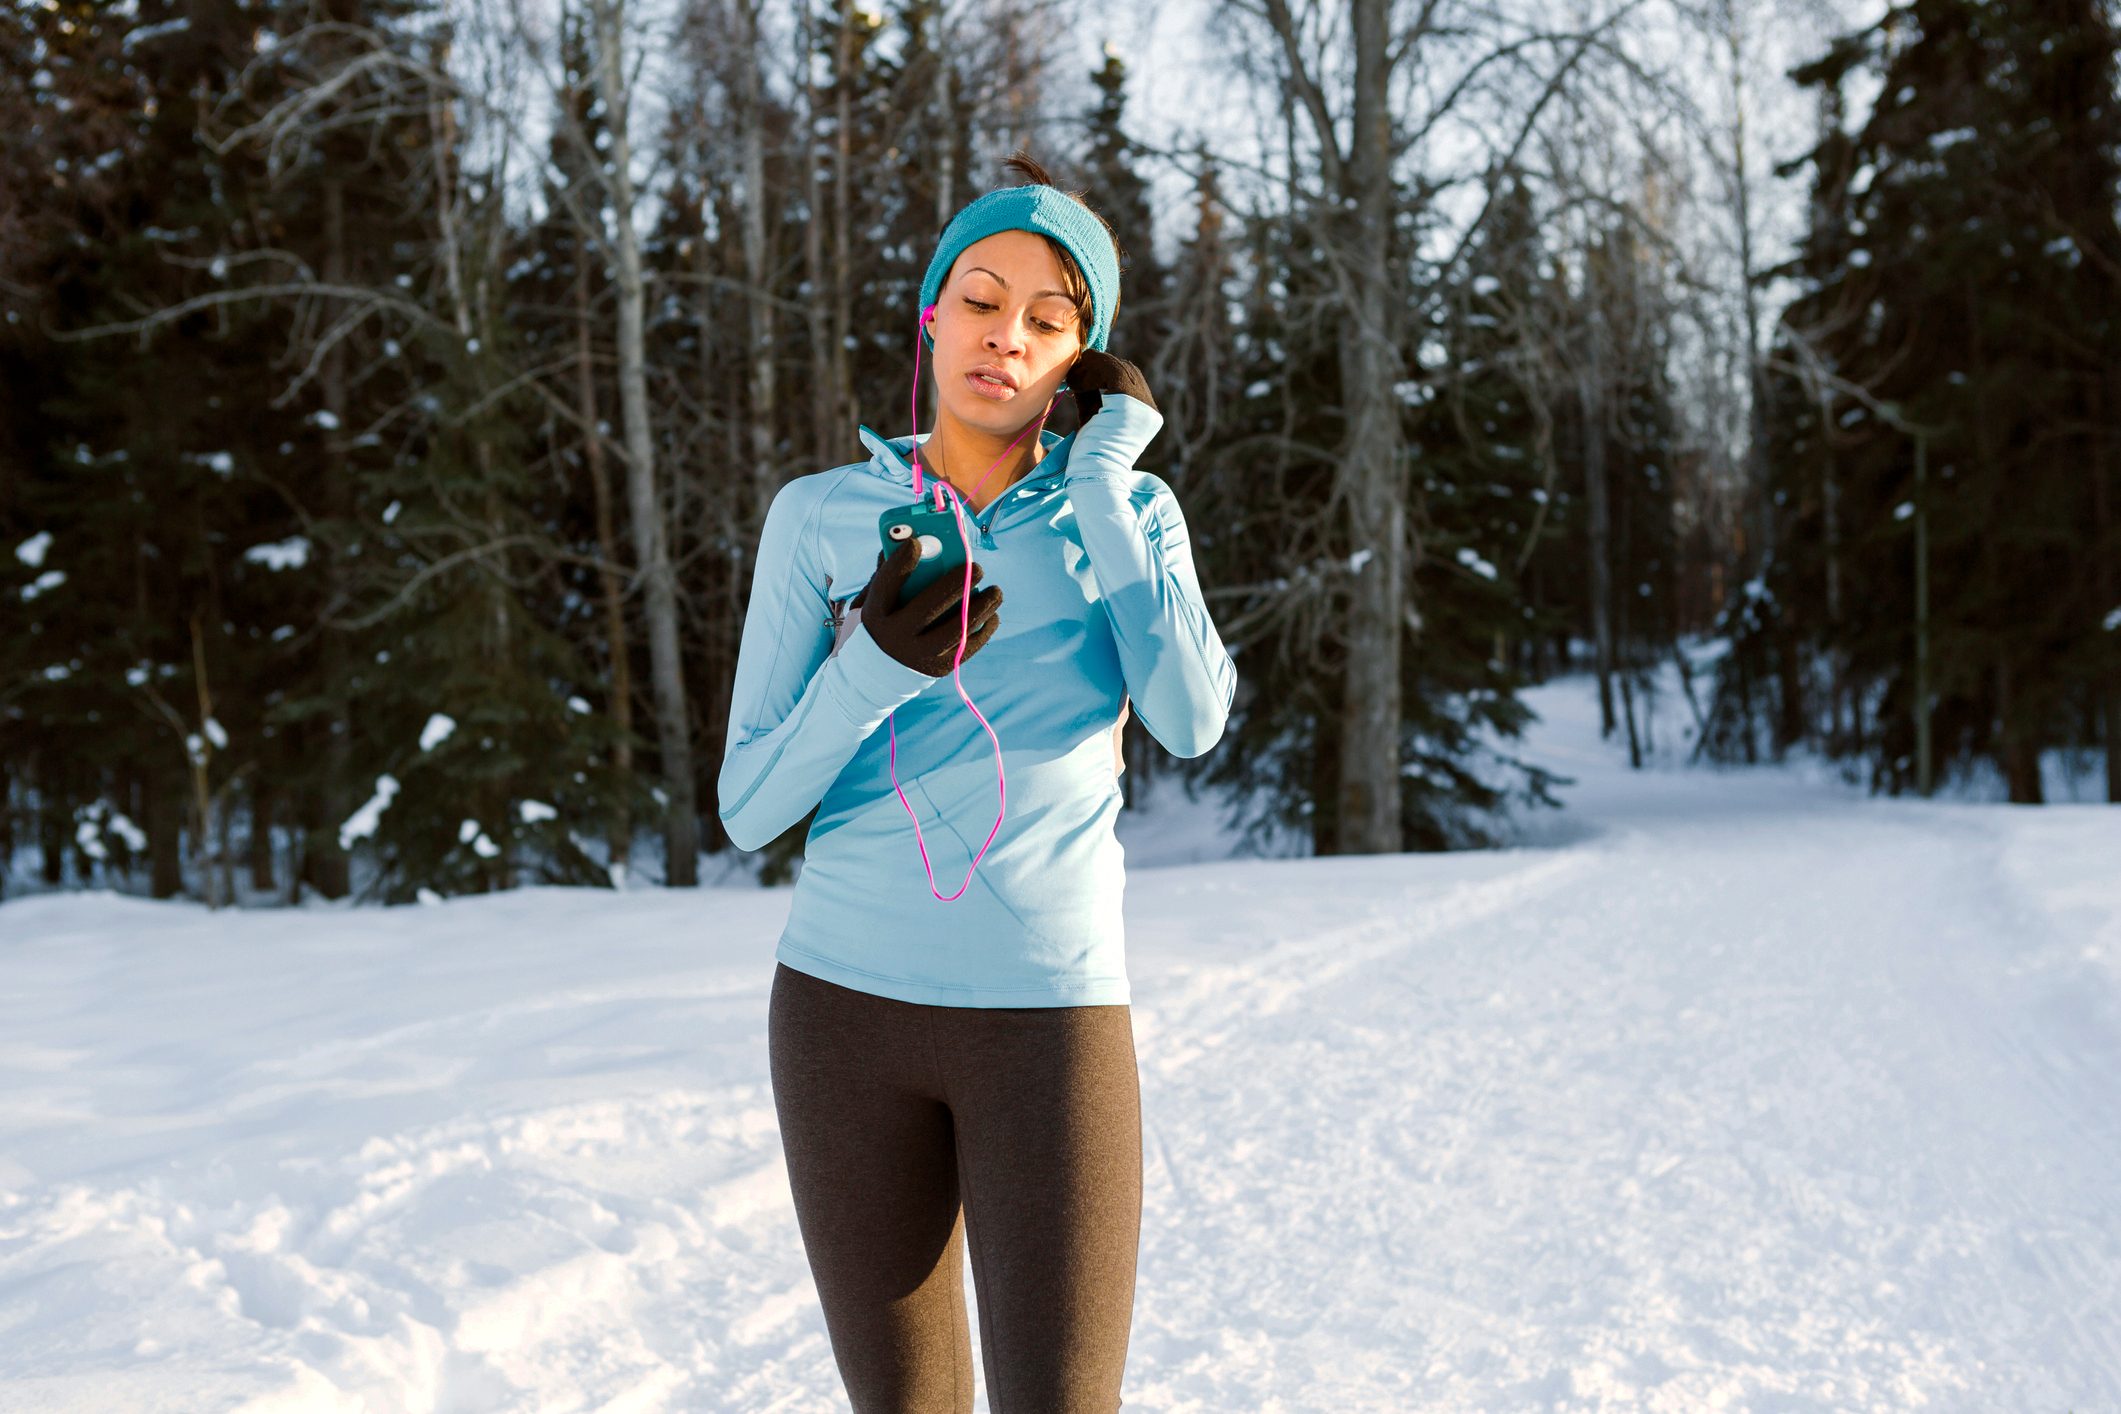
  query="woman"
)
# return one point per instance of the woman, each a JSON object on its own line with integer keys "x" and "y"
{"x": 943, "y": 1061}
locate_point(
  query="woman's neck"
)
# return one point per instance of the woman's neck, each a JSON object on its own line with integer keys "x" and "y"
{"x": 962, "y": 454}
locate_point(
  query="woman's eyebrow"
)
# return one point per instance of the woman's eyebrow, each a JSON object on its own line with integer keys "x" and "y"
{"x": 1005, "y": 284}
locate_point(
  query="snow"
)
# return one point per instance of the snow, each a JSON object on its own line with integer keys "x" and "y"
{"x": 217, "y": 734}
{"x": 89, "y": 840}
{"x": 1471, "y": 559}
{"x": 43, "y": 584}
{"x": 1726, "y": 1089}
{"x": 2112, "y": 622}
{"x": 438, "y": 729}
{"x": 325, "y": 418}
{"x": 91, "y": 822}
{"x": 536, "y": 811}
{"x": 121, "y": 825}
{"x": 145, "y": 33}
{"x": 33, "y": 550}
{"x": 1904, "y": 511}
{"x": 581, "y": 704}
{"x": 363, "y": 822}
{"x": 289, "y": 554}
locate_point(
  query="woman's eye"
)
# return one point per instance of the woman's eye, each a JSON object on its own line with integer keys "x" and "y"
{"x": 982, "y": 306}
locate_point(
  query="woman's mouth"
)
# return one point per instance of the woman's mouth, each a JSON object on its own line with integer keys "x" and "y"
{"x": 990, "y": 387}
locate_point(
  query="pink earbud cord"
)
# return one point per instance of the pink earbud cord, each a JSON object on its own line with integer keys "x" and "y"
{"x": 946, "y": 494}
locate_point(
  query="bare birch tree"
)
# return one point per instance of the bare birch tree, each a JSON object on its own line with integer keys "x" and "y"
{"x": 651, "y": 542}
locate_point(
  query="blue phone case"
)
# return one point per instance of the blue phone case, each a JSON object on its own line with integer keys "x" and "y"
{"x": 945, "y": 555}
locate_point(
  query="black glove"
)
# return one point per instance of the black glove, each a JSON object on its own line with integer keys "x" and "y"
{"x": 1097, "y": 373}
{"x": 922, "y": 632}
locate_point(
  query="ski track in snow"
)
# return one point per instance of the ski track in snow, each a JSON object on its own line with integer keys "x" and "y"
{"x": 1747, "y": 1094}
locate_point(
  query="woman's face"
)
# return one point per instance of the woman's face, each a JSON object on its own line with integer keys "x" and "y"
{"x": 1002, "y": 312}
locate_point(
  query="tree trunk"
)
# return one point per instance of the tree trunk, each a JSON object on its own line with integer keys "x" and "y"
{"x": 619, "y": 691}
{"x": 262, "y": 879}
{"x": 328, "y": 864}
{"x": 2106, "y": 471}
{"x": 651, "y": 545}
{"x": 824, "y": 426}
{"x": 1627, "y": 704}
{"x": 946, "y": 128}
{"x": 468, "y": 288}
{"x": 842, "y": 409}
{"x": 2017, "y": 753}
{"x": 1841, "y": 730}
{"x": 165, "y": 825}
{"x": 1756, "y": 458}
{"x": 762, "y": 449}
{"x": 1590, "y": 397}
{"x": 1369, "y": 804}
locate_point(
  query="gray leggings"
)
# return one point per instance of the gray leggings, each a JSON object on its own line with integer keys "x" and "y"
{"x": 890, "y": 1110}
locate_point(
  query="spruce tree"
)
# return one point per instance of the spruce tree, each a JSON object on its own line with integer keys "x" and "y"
{"x": 1957, "y": 338}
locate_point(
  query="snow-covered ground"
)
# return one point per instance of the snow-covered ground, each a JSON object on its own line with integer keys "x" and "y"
{"x": 1740, "y": 1091}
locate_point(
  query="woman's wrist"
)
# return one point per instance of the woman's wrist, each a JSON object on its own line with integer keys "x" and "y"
{"x": 1114, "y": 439}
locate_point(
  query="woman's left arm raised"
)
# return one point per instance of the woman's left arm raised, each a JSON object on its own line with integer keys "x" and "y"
{"x": 1178, "y": 673}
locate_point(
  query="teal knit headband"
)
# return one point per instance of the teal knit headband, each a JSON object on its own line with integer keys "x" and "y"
{"x": 1050, "y": 212}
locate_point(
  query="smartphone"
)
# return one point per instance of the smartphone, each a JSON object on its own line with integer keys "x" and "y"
{"x": 941, "y": 551}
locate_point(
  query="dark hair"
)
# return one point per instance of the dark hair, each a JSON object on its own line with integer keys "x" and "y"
{"x": 1078, "y": 288}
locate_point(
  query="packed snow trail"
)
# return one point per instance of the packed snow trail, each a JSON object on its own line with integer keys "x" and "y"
{"x": 1745, "y": 1092}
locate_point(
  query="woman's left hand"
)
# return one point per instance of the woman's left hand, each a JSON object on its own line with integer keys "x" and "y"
{"x": 1097, "y": 373}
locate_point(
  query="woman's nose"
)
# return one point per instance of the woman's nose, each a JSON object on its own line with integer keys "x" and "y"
{"x": 1006, "y": 335}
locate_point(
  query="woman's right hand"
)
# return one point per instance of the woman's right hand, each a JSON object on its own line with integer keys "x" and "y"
{"x": 922, "y": 633}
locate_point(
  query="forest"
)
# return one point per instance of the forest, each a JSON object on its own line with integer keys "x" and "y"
{"x": 395, "y": 389}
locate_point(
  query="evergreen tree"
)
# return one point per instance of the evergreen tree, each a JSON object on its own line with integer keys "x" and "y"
{"x": 152, "y": 484}
{"x": 1957, "y": 326}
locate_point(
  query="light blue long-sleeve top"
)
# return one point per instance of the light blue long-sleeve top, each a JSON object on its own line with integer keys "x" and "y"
{"x": 1100, "y": 603}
